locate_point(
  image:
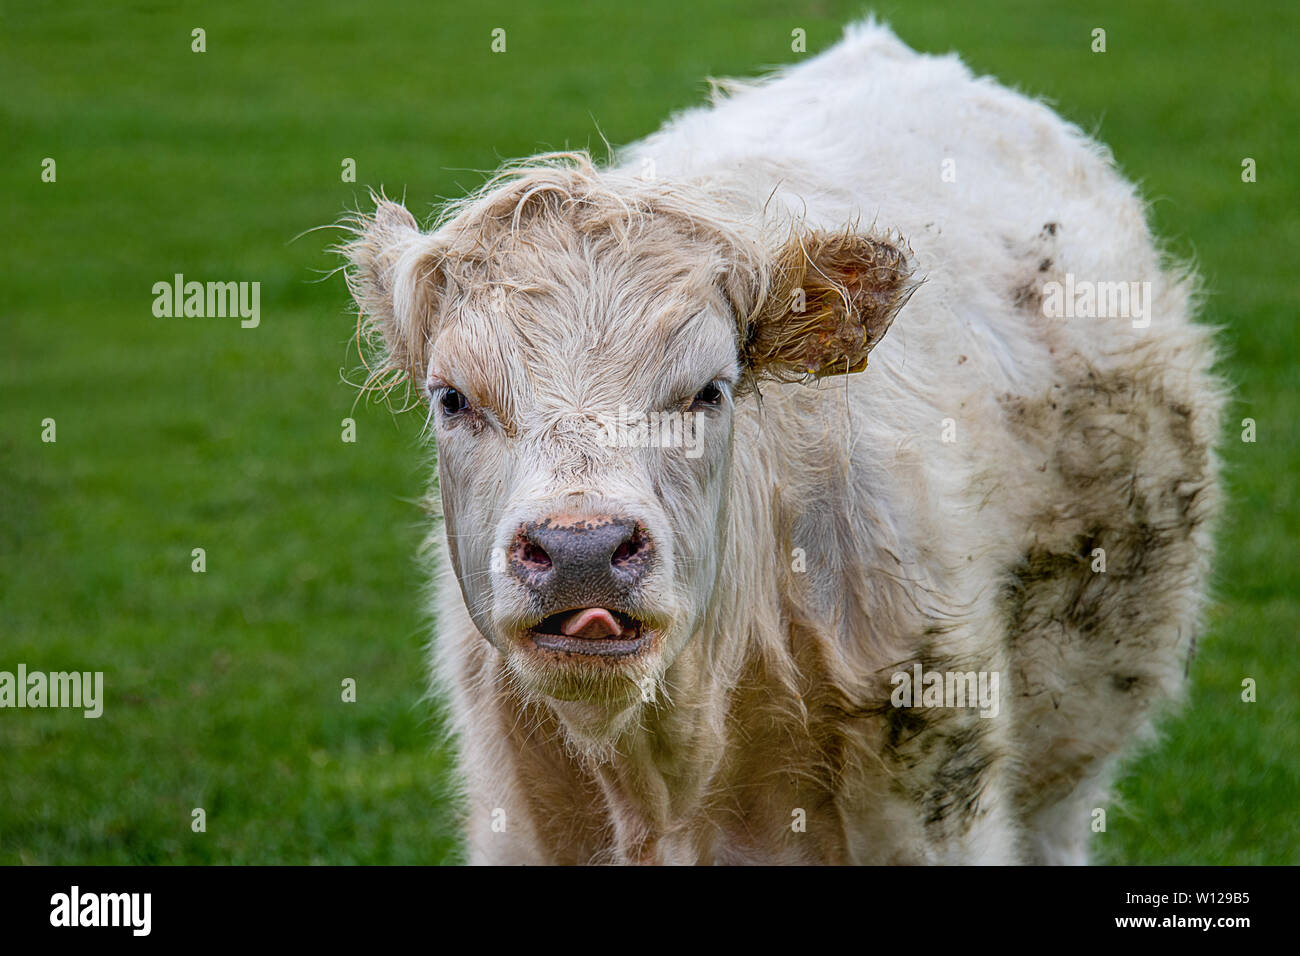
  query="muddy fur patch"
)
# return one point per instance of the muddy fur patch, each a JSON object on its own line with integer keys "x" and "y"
{"x": 1131, "y": 483}
{"x": 941, "y": 760}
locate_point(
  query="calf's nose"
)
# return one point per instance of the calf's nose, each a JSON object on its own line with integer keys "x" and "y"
{"x": 581, "y": 560}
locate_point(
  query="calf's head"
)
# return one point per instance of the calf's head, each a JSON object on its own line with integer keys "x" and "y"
{"x": 582, "y": 340}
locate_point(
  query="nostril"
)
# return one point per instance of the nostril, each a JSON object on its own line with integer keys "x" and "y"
{"x": 627, "y": 552}
{"x": 534, "y": 555}
{"x": 530, "y": 556}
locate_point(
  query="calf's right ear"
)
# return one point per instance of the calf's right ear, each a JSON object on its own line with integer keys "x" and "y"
{"x": 831, "y": 298}
{"x": 392, "y": 272}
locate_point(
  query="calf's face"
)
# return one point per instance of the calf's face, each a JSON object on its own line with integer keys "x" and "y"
{"x": 585, "y": 546}
{"x": 582, "y": 345}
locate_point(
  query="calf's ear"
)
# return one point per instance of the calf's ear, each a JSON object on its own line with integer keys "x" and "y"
{"x": 831, "y": 298}
{"x": 392, "y": 272}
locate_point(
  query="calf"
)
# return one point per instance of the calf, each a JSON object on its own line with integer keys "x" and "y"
{"x": 713, "y": 590}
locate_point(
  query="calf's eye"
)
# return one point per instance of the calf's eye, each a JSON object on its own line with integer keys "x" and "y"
{"x": 709, "y": 395}
{"x": 452, "y": 401}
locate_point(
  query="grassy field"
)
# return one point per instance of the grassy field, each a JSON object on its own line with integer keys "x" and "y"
{"x": 223, "y": 688}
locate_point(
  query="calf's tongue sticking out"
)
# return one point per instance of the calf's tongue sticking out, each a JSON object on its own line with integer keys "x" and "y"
{"x": 592, "y": 623}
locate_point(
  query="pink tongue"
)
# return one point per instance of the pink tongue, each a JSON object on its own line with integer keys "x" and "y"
{"x": 592, "y": 624}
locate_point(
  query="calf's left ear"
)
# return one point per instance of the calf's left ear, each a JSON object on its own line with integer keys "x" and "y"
{"x": 393, "y": 273}
{"x": 831, "y": 298}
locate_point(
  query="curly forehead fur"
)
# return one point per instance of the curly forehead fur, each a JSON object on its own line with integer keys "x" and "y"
{"x": 543, "y": 229}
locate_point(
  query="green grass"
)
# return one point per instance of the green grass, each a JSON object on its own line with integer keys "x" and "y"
{"x": 224, "y": 687}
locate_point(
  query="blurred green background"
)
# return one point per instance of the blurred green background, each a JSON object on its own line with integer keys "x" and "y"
{"x": 223, "y": 688}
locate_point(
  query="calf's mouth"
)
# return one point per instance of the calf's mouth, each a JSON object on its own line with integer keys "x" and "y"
{"x": 591, "y": 632}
